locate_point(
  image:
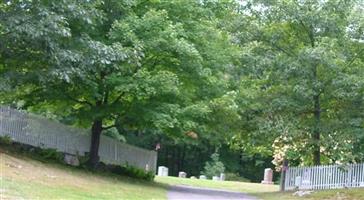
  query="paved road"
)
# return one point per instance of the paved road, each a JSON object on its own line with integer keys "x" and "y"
{"x": 194, "y": 193}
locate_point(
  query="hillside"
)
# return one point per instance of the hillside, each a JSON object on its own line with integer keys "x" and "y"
{"x": 24, "y": 178}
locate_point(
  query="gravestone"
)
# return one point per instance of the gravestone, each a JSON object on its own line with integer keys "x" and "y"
{"x": 222, "y": 177}
{"x": 193, "y": 177}
{"x": 268, "y": 176}
{"x": 71, "y": 159}
{"x": 215, "y": 178}
{"x": 297, "y": 181}
{"x": 203, "y": 177}
{"x": 162, "y": 171}
{"x": 182, "y": 174}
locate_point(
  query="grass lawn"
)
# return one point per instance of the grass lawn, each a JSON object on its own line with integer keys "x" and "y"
{"x": 342, "y": 194}
{"x": 24, "y": 178}
{"x": 225, "y": 185}
{"x": 265, "y": 192}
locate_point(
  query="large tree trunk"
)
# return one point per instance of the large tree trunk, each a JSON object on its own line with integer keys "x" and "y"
{"x": 95, "y": 142}
{"x": 316, "y": 132}
{"x": 317, "y": 108}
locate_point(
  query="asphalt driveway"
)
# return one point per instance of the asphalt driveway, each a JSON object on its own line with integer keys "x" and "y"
{"x": 180, "y": 192}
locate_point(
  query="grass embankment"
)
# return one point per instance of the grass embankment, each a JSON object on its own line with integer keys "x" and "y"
{"x": 265, "y": 192}
{"x": 25, "y": 178}
{"x": 224, "y": 185}
{"x": 342, "y": 194}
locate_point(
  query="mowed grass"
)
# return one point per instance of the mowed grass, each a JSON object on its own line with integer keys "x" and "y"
{"x": 24, "y": 178}
{"x": 265, "y": 192}
{"x": 342, "y": 194}
{"x": 224, "y": 185}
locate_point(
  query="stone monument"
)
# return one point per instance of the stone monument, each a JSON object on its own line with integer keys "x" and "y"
{"x": 268, "y": 176}
{"x": 182, "y": 174}
{"x": 71, "y": 160}
{"x": 162, "y": 171}
{"x": 222, "y": 177}
{"x": 203, "y": 177}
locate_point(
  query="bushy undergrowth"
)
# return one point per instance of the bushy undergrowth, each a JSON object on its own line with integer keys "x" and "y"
{"x": 214, "y": 167}
{"x": 5, "y": 140}
{"x": 133, "y": 172}
{"x": 235, "y": 177}
{"x": 52, "y": 155}
{"x": 49, "y": 154}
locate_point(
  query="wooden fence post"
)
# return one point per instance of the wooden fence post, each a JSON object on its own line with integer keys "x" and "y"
{"x": 283, "y": 175}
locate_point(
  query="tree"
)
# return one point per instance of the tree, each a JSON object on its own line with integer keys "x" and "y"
{"x": 306, "y": 64}
{"x": 124, "y": 64}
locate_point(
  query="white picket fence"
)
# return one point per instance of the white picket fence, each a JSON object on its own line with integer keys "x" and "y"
{"x": 325, "y": 177}
{"x": 44, "y": 133}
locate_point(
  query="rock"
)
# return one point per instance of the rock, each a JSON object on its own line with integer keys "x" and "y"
{"x": 13, "y": 165}
{"x": 50, "y": 176}
{"x": 302, "y": 193}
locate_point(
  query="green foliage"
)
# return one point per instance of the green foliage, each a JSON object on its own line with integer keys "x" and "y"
{"x": 302, "y": 80}
{"x": 45, "y": 155}
{"x": 269, "y": 78}
{"x": 214, "y": 167}
{"x": 129, "y": 64}
{"x": 235, "y": 177}
{"x": 6, "y": 140}
{"x": 134, "y": 172}
{"x": 48, "y": 155}
{"x": 113, "y": 133}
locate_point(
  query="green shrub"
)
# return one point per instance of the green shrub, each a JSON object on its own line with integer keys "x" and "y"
{"x": 49, "y": 154}
{"x": 6, "y": 140}
{"x": 134, "y": 172}
{"x": 83, "y": 161}
{"x": 214, "y": 167}
{"x": 235, "y": 177}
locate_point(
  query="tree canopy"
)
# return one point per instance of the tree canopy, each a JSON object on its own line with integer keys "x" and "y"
{"x": 276, "y": 79}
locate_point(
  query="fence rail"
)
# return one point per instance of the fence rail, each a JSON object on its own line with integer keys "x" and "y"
{"x": 325, "y": 177}
{"x": 44, "y": 133}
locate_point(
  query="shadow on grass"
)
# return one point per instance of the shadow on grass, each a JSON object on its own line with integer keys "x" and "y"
{"x": 27, "y": 153}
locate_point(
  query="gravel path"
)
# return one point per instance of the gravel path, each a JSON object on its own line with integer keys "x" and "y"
{"x": 195, "y": 193}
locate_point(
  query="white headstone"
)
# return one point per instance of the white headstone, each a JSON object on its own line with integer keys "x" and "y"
{"x": 193, "y": 177}
{"x": 71, "y": 159}
{"x": 182, "y": 174}
{"x": 203, "y": 177}
{"x": 162, "y": 171}
{"x": 297, "y": 181}
{"x": 222, "y": 177}
{"x": 215, "y": 178}
{"x": 165, "y": 171}
{"x": 268, "y": 176}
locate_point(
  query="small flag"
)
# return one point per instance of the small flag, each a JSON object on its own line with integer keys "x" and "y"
{"x": 158, "y": 146}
